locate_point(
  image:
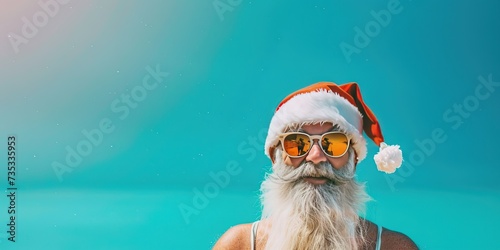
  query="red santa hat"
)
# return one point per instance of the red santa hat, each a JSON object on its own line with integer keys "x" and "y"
{"x": 342, "y": 105}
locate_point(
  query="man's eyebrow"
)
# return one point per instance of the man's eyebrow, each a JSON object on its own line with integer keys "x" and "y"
{"x": 335, "y": 127}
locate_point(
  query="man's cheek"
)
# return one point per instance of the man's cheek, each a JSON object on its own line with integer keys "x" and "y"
{"x": 291, "y": 162}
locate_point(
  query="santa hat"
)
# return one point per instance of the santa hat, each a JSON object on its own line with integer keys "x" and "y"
{"x": 341, "y": 105}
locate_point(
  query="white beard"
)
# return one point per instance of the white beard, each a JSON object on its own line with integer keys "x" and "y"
{"x": 305, "y": 216}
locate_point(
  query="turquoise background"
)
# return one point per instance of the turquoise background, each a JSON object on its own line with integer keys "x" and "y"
{"x": 227, "y": 73}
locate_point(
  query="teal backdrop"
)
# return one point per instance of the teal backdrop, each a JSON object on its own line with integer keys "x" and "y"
{"x": 141, "y": 124}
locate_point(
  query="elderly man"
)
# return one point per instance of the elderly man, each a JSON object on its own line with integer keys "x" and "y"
{"x": 311, "y": 200}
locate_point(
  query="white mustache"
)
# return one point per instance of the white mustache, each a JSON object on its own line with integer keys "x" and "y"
{"x": 324, "y": 169}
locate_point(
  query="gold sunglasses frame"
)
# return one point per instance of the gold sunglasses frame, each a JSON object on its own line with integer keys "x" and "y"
{"x": 312, "y": 138}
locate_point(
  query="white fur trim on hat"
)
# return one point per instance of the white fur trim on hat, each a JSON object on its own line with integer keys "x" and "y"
{"x": 318, "y": 106}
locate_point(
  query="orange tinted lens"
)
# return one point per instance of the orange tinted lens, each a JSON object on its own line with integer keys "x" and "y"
{"x": 335, "y": 144}
{"x": 296, "y": 144}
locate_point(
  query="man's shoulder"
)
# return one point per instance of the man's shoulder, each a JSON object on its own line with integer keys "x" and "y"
{"x": 396, "y": 240}
{"x": 236, "y": 237}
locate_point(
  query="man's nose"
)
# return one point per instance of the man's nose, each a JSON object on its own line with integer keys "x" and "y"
{"x": 316, "y": 155}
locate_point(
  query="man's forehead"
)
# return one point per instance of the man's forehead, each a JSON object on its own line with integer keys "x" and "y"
{"x": 327, "y": 126}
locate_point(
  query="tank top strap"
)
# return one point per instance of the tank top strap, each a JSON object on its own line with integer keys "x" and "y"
{"x": 379, "y": 237}
{"x": 253, "y": 235}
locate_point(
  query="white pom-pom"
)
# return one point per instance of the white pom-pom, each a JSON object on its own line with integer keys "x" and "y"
{"x": 389, "y": 158}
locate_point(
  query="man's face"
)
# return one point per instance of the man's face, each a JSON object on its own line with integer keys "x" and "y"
{"x": 313, "y": 202}
{"x": 316, "y": 155}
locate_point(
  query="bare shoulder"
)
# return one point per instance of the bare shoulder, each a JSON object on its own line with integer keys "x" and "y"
{"x": 236, "y": 237}
{"x": 396, "y": 240}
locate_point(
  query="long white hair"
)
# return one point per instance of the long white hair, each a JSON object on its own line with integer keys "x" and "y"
{"x": 306, "y": 216}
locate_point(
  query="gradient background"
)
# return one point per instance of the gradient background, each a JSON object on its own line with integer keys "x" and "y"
{"x": 227, "y": 73}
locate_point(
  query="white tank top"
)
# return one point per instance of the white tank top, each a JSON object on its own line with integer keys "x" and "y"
{"x": 253, "y": 234}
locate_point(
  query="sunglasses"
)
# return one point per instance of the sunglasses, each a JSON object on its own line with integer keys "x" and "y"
{"x": 297, "y": 144}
